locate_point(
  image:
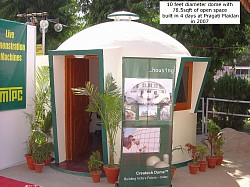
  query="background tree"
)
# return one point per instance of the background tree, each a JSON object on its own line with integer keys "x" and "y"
{"x": 232, "y": 88}
{"x": 221, "y": 42}
{"x": 65, "y": 10}
{"x": 96, "y": 11}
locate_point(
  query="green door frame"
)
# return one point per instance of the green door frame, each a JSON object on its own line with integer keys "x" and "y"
{"x": 53, "y": 53}
{"x": 179, "y": 74}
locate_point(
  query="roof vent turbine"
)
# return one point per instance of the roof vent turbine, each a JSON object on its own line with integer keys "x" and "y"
{"x": 123, "y": 16}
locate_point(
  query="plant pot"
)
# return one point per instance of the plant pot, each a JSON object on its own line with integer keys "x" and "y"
{"x": 111, "y": 173}
{"x": 193, "y": 168}
{"x": 173, "y": 169}
{"x": 211, "y": 161}
{"x": 219, "y": 160}
{"x": 30, "y": 162}
{"x": 39, "y": 167}
{"x": 48, "y": 161}
{"x": 203, "y": 166}
{"x": 96, "y": 176}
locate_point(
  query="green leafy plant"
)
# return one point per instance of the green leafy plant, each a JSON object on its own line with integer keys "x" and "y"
{"x": 49, "y": 149}
{"x": 202, "y": 150}
{"x": 219, "y": 142}
{"x": 39, "y": 147}
{"x": 39, "y": 154}
{"x": 108, "y": 106}
{"x": 210, "y": 140}
{"x": 41, "y": 117}
{"x": 95, "y": 162}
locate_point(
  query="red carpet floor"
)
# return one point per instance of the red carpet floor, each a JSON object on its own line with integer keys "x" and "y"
{"x": 6, "y": 182}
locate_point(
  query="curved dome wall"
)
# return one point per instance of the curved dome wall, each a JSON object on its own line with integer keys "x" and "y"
{"x": 134, "y": 38}
{"x": 118, "y": 39}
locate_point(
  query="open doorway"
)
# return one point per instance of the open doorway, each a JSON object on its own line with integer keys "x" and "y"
{"x": 82, "y": 129}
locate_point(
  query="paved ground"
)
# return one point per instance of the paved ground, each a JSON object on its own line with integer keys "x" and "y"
{"x": 234, "y": 172}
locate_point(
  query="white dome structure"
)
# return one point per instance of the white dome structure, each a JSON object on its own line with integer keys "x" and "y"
{"x": 136, "y": 39}
{"x": 132, "y": 52}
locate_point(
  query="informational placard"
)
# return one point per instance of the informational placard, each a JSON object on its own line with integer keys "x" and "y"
{"x": 13, "y": 39}
{"x": 199, "y": 12}
{"x": 147, "y": 122}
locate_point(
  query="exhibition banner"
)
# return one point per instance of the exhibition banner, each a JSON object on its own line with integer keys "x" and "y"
{"x": 148, "y": 87}
{"x": 13, "y": 39}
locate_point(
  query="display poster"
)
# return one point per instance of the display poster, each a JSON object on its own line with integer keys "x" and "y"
{"x": 13, "y": 39}
{"x": 148, "y": 89}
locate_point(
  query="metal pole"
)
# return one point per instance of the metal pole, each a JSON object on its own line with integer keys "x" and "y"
{"x": 43, "y": 40}
{"x": 206, "y": 115}
{"x": 203, "y": 117}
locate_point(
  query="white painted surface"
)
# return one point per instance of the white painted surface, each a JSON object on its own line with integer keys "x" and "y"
{"x": 136, "y": 39}
{"x": 133, "y": 39}
{"x": 14, "y": 127}
{"x": 199, "y": 69}
{"x": 59, "y": 81}
{"x": 184, "y": 131}
{"x": 42, "y": 60}
{"x": 94, "y": 78}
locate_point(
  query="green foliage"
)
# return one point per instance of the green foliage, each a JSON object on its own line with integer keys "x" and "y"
{"x": 97, "y": 11}
{"x": 42, "y": 149}
{"x": 220, "y": 42}
{"x": 232, "y": 88}
{"x": 244, "y": 52}
{"x": 48, "y": 149}
{"x": 29, "y": 145}
{"x": 42, "y": 98}
{"x": 95, "y": 162}
{"x": 39, "y": 154}
{"x": 39, "y": 137}
{"x": 65, "y": 10}
{"x": 108, "y": 106}
{"x": 208, "y": 90}
{"x": 202, "y": 150}
{"x": 220, "y": 141}
{"x": 212, "y": 135}
{"x": 47, "y": 125}
{"x": 41, "y": 118}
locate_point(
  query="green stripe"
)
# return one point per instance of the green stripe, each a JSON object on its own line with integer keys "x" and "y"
{"x": 182, "y": 164}
{"x": 53, "y": 105}
{"x": 85, "y": 174}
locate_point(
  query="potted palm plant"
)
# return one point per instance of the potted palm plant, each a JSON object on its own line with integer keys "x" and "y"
{"x": 49, "y": 149}
{"x": 108, "y": 106}
{"x": 94, "y": 165}
{"x": 194, "y": 165}
{"x": 39, "y": 154}
{"x": 220, "y": 141}
{"x": 41, "y": 118}
{"x": 202, "y": 150}
{"x": 210, "y": 142}
{"x": 29, "y": 150}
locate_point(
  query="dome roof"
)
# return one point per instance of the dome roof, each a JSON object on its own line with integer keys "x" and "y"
{"x": 134, "y": 38}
